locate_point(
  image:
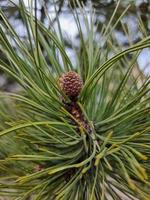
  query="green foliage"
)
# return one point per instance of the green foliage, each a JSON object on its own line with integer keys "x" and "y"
{"x": 43, "y": 154}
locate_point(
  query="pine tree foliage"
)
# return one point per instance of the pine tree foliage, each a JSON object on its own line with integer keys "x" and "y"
{"x": 46, "y": 152}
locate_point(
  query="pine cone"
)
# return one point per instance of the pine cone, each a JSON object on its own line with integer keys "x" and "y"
{"x": 71, "y": 83}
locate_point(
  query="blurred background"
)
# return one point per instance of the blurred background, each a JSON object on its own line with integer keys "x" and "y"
{"x": 139, "y": 10}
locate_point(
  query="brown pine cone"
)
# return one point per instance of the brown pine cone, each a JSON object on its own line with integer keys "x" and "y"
{"x": 71, "y": 84}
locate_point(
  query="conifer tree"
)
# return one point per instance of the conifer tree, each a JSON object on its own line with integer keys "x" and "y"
{"x": 75, "y": 131}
